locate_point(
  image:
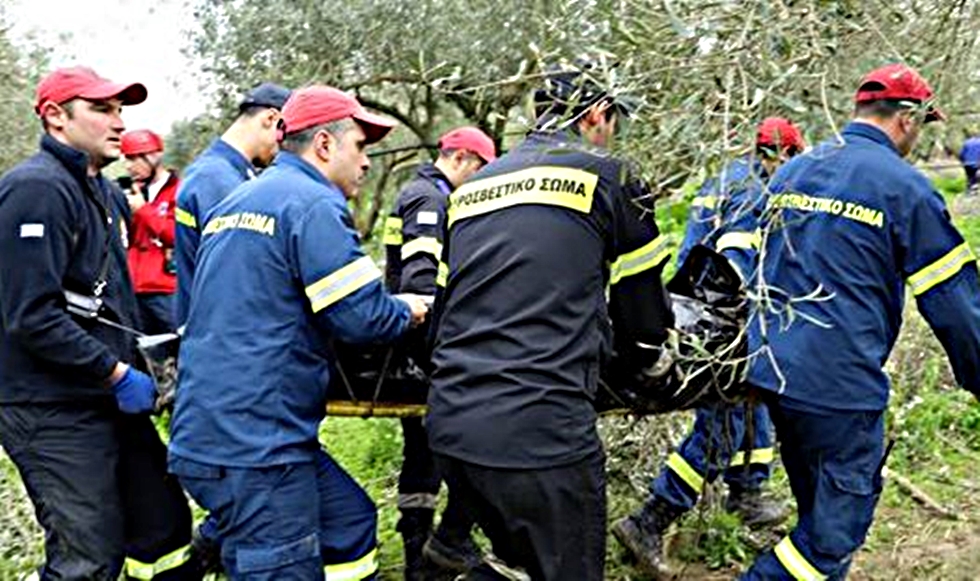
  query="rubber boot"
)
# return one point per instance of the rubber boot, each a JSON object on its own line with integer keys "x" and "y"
{"x": 415, "y": 526}
{"x": 642, "y": 532}
{"x": 754, "y": 509}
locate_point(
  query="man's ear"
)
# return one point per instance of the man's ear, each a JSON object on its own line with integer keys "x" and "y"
{"x": 593, "y": 117}
{"x": 270, "y": 118}
{"x": 325, "y": 144}
{"x": 597, "y": 113}
{"x": 907, "y": 119}
{"x": 459, "y": 158}
{"x": 54, "y": 115}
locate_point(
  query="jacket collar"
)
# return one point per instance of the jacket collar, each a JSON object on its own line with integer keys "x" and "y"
{"x": 567, "y": 138}
{"x": 244, "y": 167}
{"x": 74, "y": 160}
{"x": 287, "y": 160}
{"x": 430, "y": 172}
{"x": 868, "y": 132}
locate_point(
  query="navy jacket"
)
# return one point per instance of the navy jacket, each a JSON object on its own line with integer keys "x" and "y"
{"x": 853, "y": 224}
{"x": 57, "y": 229}
{"x": 206, "y": 181}
{"x": 280, "y": 274}
{"x": 535, "y": 241}
{"x": 725, "y": 213}
{"x": 413, "y": 233}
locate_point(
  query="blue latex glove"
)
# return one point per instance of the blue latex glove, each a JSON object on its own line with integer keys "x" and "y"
{"x": 135, "y": 392}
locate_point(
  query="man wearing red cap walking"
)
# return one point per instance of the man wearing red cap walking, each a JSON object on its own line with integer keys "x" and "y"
{"x": 280, "y": 274}
{"x": 724, "y": 216}
{"x": 152, "y": 201}
{"x": 854, "y": 220}
{"x": 73, "y": 412}
{"x": 413, "y": 238}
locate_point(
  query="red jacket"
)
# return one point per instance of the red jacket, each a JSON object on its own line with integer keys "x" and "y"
{"x": 151, "y": 242}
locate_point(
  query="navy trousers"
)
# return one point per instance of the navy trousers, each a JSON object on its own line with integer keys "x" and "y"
{"x": 718, "y": 443}
{"x": 287, "y": 522}
{"x": 834, "y": 461}
{"x": 98, "y": 480}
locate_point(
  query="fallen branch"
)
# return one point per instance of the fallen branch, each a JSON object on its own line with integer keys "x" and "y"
{"x": 917, "y": 494}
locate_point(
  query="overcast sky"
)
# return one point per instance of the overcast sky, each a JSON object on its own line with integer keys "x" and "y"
{"x": 123, "y": 40}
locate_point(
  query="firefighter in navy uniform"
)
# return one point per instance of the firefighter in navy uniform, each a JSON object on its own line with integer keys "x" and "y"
{"x": 73, "y": 412}
{"x": 247, "y": 146}
{"x": 413, "y": 239}
{"x": 724, "y": 216}
{"x": 280, "y": 273}
{"x": 534, "y": 242}
{"x": 854, "y": 219}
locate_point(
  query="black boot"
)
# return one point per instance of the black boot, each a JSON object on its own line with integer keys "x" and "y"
{"x": 754, "y": 509}
{"x": 205, "y": 549}
{"x": 451, "y": 556}
{"x": 641, "y": 533}
{"x": 415, "y": 526}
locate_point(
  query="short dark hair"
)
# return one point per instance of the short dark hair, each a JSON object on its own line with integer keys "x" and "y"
{"x": 882, "y": 108}
{"x": 448, "y": 152}
{"x": 298, "y": 142}
{"x": 250, "y": 111}
{"x": 772, "y": 152}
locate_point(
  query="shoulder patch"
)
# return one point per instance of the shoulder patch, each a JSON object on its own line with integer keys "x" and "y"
{"x": 32, "y": 230}
{"x": 427, "y": 218}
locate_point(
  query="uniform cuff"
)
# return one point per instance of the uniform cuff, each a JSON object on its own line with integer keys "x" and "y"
{"x": 104, "y": 366}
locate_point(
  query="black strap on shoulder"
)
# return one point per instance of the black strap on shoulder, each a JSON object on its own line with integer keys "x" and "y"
{"x": 91, "y": 190}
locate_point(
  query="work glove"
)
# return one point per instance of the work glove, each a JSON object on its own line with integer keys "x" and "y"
{"x": 135, "y": 392}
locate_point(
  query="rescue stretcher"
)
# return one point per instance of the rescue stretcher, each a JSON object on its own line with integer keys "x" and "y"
{"x": 702, "y": 362}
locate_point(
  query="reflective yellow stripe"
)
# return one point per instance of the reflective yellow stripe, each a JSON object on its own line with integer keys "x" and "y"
{"x": 758, "y": 456}
{"x": 426, "y": 244}
{"x": 941, "y": 270}
{"x": 643, "y": 258}
{"x": 709, "y": 202}
{"x": 342, "y": 282}
{"x": 442, "y": 275}
{"x": 393, "y": 231}
{"x": 688, "y": 474}
{"x": 798, "y": 567}
{"x": 186, "y": 218}
{"x": 566, "y": 187}
{"x": 747, "y": 240}
{"x": 359, "y": 569}
{"x": 139, "y": 570}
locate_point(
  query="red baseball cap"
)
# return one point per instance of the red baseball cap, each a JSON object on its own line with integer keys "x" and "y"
{"x": 320, "y": 104}
{"x": 470, "y": 139}
{"x": 63, "y": 85}
{"x": 779, "y": 132}
{"x": 897, "y": 82}
{"x": 140, "y": 141}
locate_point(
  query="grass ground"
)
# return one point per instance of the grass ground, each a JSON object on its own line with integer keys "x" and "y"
{"x": 936, "y": 425}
